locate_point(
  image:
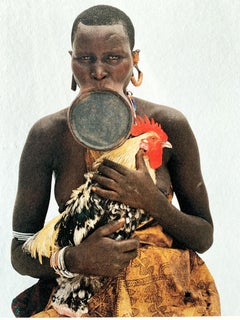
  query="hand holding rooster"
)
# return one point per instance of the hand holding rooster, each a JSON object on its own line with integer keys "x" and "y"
{"x": 112, "y": 256}
{"x": 118, "y": 183}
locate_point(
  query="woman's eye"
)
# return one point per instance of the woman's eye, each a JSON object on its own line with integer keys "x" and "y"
{"x": 113, "y": 58}
{"x": 85, "y": 59}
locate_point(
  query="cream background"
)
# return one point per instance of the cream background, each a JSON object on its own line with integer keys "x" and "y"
{"x": 190, "y": 56}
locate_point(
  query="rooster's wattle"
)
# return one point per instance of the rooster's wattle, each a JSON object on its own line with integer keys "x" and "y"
{"x": 86, "y": 211}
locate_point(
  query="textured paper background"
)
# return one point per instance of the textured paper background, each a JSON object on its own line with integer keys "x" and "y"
{"x": 190, "y": 56}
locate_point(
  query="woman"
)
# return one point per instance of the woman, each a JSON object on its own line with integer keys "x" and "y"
{"x": 171, "y": 280}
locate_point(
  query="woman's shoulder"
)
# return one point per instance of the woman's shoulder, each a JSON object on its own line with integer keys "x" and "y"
{"x": 173, "y": 122}
{"x": 165, "y": 115}
{"x": 50, "y": 125}
{"x": 47, "y": 135}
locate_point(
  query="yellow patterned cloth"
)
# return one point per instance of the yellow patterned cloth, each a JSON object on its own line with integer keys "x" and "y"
{"x": 161, "y": 282}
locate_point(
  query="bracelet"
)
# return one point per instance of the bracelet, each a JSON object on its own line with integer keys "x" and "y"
{"x": 22, "y": 236}
{"x": 58, "y": 264}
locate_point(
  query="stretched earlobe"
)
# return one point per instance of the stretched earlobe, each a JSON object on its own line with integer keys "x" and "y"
{"x": 138, "y": 82}
{"x": 74, "y": 84}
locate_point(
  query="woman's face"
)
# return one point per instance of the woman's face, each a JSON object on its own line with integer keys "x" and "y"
{"x": 101, "y": 58}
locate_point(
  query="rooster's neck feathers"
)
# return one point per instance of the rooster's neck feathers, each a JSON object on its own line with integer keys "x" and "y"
{"x": 125, "y": 154}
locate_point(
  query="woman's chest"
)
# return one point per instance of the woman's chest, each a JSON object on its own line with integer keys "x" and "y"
{"x": 163, "y": 181}
{"x": 69, "y": 171}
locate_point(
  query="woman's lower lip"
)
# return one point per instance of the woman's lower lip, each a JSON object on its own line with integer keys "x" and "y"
{"x": 101, "y": 87}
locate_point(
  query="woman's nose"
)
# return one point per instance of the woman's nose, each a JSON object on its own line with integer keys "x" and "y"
{"x": 98, "y": 71}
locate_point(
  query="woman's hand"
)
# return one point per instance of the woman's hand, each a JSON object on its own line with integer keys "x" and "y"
{"x": 131, "y": 187}
{"x": 100, "y": 255}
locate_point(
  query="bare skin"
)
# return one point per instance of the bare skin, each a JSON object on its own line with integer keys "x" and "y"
{"x": 101, "y": 58}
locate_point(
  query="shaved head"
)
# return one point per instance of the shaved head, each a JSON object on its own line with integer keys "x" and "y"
{"x": 105, "y": 15}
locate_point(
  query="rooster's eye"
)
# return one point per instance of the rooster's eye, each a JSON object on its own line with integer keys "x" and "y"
{"x": 153, "y": 139}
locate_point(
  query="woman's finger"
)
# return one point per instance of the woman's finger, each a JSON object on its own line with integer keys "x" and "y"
{"x": 115, "y": 166}
{"x": 110, "y": 228}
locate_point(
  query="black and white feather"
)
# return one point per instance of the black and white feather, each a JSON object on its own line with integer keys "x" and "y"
{"x": 85, "y": 212}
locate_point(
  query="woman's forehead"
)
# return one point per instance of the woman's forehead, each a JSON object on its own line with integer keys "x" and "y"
{"x": 106, "y": 33}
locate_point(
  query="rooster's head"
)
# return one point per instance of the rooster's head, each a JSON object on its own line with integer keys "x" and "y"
{"x": 154, "y": 142}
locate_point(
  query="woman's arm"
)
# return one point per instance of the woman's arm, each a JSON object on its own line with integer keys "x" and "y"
{"x": 195, "y": 225}
{"x": 34, "y": 187}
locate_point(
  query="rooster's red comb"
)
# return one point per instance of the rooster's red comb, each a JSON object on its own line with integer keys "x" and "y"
{"x": 145, "y": 125}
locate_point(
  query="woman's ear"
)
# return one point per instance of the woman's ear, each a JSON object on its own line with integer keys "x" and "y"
{"x": 135, "y": 56}
{"x": 136, "y": 82}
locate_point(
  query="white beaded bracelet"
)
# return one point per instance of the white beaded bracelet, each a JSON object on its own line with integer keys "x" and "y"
{"x": 58, "y": 264}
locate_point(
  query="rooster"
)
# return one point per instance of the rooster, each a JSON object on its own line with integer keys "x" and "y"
{"x": 86, "y": 211}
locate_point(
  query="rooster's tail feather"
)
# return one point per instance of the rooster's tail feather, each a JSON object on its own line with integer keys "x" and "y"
{"x": 43, "y": 243}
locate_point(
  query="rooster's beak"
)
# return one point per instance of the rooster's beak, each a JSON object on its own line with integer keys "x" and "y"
{"x": 166, "y": 144}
